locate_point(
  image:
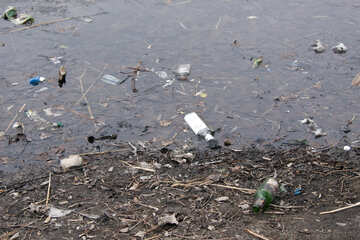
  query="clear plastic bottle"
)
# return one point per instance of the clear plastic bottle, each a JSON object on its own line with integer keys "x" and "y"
{"x": 265, "y": 194}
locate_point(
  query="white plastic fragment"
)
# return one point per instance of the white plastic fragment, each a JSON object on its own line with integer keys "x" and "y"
{"x": 168, "y": 219}
{"x": 71, "y": 161}
{"x": 162, "y": 74}
{"x": 222, "y": 199}
{"x": 340, "y": 48}
{"x": 56, "y": 212}
{"x": 110, "y": 79}
{"x": 183, "y": 71}
{"x": 318, "y": 47}
{"x": 347, "y": 148}
{"x": 49, "y": 112}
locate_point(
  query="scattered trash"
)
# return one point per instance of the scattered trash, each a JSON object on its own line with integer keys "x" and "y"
{"x": 110, "y": 79}
{"x": 257, "y": 62}
{"x": 36, "y": 80}
{"x": 252, "y": 17}
{"x": 92, "y": 139}
{"x": 222, "y": 199}
{"x": 71, "y": 161}
{"x": 55, "y": 60}
{"x": 318, "y": 132}
{"x": 168, "y": 83}
{"x": 87, "y": 19}
{"x": 168, "y": 219}
{"x": 347, "y": 148}
{"x": 91, "y": 216}
{"x": 356, "y": 80}
{"x": 283, "y": 186}
{"x": 62, "y": 76}
{"x": 200, "y": 129}
{"x": 23, "y": 18}
{"x": 183, "y": 71}
{"x": 162, "y": 74}
{"x": 318, "y": 47}
{"x": 49, "y": 112}
{"x": 11, "y": 15}
{"x": 340, "y": 48}
{"x": 265, "y": 194}
{"x": 56, "y": 212}
{"x": 201, "y": 93}
{"x": 298, "y": 191}
{"x": 34, "y": 116}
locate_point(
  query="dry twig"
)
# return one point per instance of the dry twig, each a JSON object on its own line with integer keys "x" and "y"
{"x": 48, "y": 191}
{"x": 341, "y": 209}
{"x": 256, "y": 235}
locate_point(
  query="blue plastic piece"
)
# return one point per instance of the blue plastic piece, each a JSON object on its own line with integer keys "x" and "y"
{"x": 34, "y": 81}
{"x": 298, "y": 191}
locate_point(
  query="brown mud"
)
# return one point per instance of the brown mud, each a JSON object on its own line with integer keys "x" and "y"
{"x": 205, "y": 195}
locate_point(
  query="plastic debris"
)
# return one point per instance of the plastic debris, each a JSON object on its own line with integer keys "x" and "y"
{"x": 49, "y": 112}
{"x": 183, "y": 71}
{"x": 298, "y": 191}
{"x": 62, "y": 76}
{"x": 200, "y": 129}
{"x": 257, "y": 62}
{"x": 34, "y": 116}
{"x": 162, "y": 74}
{"x": 318, "y": 132}
{"x": 265, "y": 194}
{"x": 87, "y": 19}
{"x": 56, "y": 212}
{"x": 71, "y": 161}
{"x": 222, "y": 199}
{"x": 10, "y": 13}
{"x": 252, "y": 17}
{"x": 23, "y": 18}
{"x": 168, "y": 219}
{"x": 55, "y": 60}
{"x": 36, "y": 80}
{"x": 340, "y": 48}
{"x": 347, "y": 148}
{"x": 110, "y": 79}
{"x": 318, "y": 47}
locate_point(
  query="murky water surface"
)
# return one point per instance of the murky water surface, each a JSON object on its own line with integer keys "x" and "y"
{"x": 219, "y": 38}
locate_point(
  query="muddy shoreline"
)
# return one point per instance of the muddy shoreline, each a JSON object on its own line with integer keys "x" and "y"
{"x": 125, "y": 195}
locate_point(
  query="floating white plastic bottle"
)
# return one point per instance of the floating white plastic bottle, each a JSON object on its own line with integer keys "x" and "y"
{"x": 183, "y": 71}
{"x": 200, "y": 128}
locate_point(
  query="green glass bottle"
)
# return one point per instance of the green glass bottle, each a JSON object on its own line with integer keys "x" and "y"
{"x": 265, "y": 194}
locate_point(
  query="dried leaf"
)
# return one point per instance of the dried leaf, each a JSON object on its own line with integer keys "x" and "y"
{"x": 165, "y": 123}
{"x": 168, "y": 219}
{"x": 356, "y": 80}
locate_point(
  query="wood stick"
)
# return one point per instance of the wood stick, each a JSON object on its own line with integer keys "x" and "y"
{"x": 136, "y": 167}
{"x": 100, "y": 153}
{"x": 92, "y": 85}
{"x": 82, "y": 92}
{"x": 39, "y": 24}
{"x": 48, "y": 191}
{"x": 341, "y": 209}
{"x": 243, "y": 190}
{"x": 256, "y": 235}
{"x": 15, "y": 117}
